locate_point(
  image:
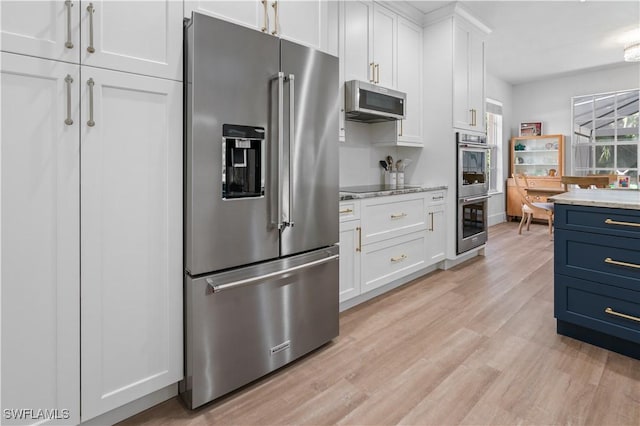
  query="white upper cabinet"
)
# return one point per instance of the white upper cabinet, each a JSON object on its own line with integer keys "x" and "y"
{"x": 45, "y": 29}
{"x": 306, "y": 22}
{"x": 410, "y": 81}
{"x": 40, "y": 155}
{"x": 468, "y": 77}
{"x": 250, "y": 13}
{"x": 368, "y": 43}
{"x": 384, "y": 46}
{"x": 143, "y": 37}
{"x": 131, "y": 240}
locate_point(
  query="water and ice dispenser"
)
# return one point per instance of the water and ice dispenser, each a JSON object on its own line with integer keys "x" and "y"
{"x": 243, "y": 161}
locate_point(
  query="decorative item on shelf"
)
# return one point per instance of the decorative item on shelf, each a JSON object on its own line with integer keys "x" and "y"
{"x": 520, "y": 160}
{"x": 520, "y": 147}
{"x": 531, "y": 129}
{"x": 549, "y": 146}
{"x": 552, "y": 172}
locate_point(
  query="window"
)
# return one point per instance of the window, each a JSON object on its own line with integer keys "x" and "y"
{"x": 605, "y": 134}
{"x": 494, "y": 140}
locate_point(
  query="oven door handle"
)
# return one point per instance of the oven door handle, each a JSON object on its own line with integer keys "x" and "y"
{"x": 473, "y": 145}
{"x": 472, "y": 199}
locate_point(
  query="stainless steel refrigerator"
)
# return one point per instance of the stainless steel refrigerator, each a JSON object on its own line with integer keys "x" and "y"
{"x": 261, "y": 202}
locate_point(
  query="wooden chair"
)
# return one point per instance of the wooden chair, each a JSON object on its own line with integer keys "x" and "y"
{"x": 586, "y": 182}
{"x": 529, "y": 208}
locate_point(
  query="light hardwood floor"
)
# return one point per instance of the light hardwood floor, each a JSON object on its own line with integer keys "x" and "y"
{"x": 474, "y": 345}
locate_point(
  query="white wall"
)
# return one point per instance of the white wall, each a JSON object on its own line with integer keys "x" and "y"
{"x": 501, "y": 91}
{"x": 549, "y": 101}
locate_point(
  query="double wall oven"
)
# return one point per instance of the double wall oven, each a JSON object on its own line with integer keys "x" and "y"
{"x": 473, "y": 191}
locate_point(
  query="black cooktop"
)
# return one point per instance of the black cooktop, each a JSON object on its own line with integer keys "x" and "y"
{"x": 373, "y": 188}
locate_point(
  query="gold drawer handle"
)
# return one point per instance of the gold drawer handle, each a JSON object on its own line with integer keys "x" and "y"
{"x": 345, "y": 211}
{"x": 618, "y": 314}
{"x": 359, "y": 229}
{"x": 615, "y": 222}
{"x": 617, "y": 262}
{"x": 399, "y": 258}
{"x": 398, "y": 215}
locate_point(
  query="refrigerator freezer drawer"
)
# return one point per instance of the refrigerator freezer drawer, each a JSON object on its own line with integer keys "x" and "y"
{"x": 243, "y": 324}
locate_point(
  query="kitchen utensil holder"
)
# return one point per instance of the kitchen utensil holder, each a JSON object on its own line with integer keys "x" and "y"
{"x": 390, "y": 178}
{"x": 399, "y": 180}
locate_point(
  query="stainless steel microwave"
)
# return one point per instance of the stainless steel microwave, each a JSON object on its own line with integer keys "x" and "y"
{"x": 370, "y": 103}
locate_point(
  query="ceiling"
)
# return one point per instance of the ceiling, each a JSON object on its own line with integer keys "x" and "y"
{"x": 534, "y": 40}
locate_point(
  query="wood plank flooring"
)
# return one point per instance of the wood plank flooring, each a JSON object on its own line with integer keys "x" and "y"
{"x": 474, "y": 345}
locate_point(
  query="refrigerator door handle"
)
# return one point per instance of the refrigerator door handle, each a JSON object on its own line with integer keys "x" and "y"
{"x": 292, "y": 135}
{"x": 253, "y": 280}
{"x": 280, "y": 77}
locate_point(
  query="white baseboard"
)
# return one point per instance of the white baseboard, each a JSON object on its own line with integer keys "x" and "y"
{"x": 134, "y": 407}
{"x": 497, "y": 218}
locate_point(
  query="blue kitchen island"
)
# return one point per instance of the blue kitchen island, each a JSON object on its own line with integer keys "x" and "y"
{"x": 597, "y": 268}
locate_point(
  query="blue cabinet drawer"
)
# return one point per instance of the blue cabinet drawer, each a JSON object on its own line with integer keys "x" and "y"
{"x": 601, "y": 220}
{"x": 605, "y": 259}
{"x": 610, "y": 310}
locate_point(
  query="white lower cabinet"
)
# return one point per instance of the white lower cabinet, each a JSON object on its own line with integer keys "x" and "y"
{"x": 131, "y": 239}
{"x": 349, "y": 259}
{"x": 383, "y": 239}
{"x": 436, "y": 238}
{"x": 91, "y": 237}
{"x": 40, "y": 238}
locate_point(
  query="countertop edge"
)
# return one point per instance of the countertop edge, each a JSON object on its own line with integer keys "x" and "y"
{"x": 609, "y": 198}
{"x": 345, "y": 196}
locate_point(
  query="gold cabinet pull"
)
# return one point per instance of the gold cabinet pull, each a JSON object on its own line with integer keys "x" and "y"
{"x": 617, "y": 262}
{"x": 431, "y": 214}
{"x": 359, "y": 248}
{"x": 91, "y": 11}
{"x": 398, "y": 258}
{"x": 68, "y": 80}
{"x": 372, "y": 79}
{"x": 68, "y": 4}
{"x": 621, "y": 315}
{"x": 265, "y": 26}
{"x": 615, "y": 222}
{"x": 345, "y": 211}
{"x": 276, "y": 24}
{"x": 398, "y": 215}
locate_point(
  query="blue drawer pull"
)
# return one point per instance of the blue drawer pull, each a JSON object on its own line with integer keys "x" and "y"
{"x": 615, "y": 222}
{"x": 618, "y": 314}
{"x": 617, "y": 262}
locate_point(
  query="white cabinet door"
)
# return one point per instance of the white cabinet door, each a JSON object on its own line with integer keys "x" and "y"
{"x": 143, "y": 37}
{"x": 461, "y": 83}
{"x": 410, "y": 80}
{"x": 357, "y": 26}
{"x": 46, "y": 29}
{"x": 40, "y": 241}
{"x": 131, "y": 239}
{"x": 349, "y": 259}
{"x": 303, "y": 22}
{"x": 436, "y": 237}
{"x": 477, "y": 82}
{"x": 250, "y": 13}
{"x": 384, "y": 46}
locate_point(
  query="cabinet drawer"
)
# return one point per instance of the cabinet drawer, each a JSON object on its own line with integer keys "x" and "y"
{"x": 607, "y": 309}
{"x": 392, "y": 259}
{"x": 389, "y": 217}
{"x": 349, "y": 210}
{"x": 601, "y": 258}
{"x": 621, "y": 222}
{"x": 435, "y": 198}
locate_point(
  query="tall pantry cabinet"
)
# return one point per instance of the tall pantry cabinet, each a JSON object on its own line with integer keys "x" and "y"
{"x": 91, "y": 203}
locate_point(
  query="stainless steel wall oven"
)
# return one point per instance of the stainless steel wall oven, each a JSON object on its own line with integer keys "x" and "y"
{"x": 472, "y": 190}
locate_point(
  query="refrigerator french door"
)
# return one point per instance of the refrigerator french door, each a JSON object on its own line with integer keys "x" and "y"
{"x": 261, "y": 196}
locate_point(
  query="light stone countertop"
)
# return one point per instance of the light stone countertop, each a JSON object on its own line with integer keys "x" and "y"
{"x": 383, "y": 191}
{"x": 612, "y": 198}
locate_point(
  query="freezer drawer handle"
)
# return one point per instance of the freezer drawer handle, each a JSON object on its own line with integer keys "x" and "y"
{"x": 621, "y": 315}
{"x": 241, "y": 283}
